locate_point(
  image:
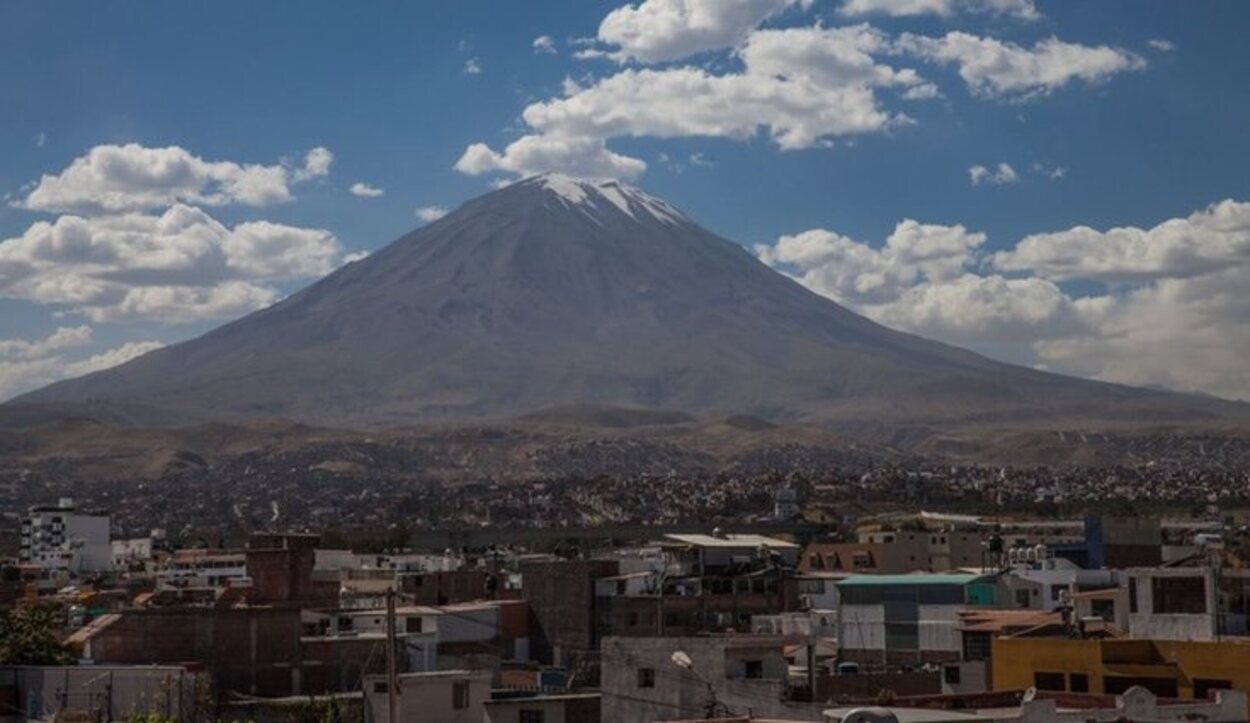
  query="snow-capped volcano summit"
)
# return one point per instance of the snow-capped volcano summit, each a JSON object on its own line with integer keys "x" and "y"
{"x": 590, "y": 195}
{"x": 555, "y": 291}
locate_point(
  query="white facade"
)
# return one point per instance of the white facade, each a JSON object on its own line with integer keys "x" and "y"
{"x": 60, "y": 538}
{"x": 134, "y": 552}
{"x": 1042, "y": 583}
{"x": 203, "y": 568}
{"x": 450, "y": 696}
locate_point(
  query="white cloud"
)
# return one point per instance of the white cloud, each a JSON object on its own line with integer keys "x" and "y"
{"x": 995, "y": 69}
{"x": 316, "y": 164}
{"x": 431, "y": 213}
{"x": 40, "y": 140}
{"x": 364, "y": 190}
{"x": 661, "y": 30}
{"x": 139, "y": 266}
{"x": 1001, "y": 175}
{"x": 30, "y": 364}
{"x": 801, "y": 86}
{"x": 1161, "y": 45}
{"x": 1201, "y": 243}
{"x": 544, "y": 44}
{"x": 1160, "y": 306}
{"x": 65, "y": 337}
{"x": 1022, "y": 9}
{"x": 114, "y": 179}
{"x": 472, "y": 66}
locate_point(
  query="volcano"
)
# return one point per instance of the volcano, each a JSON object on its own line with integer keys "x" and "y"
{"x": 556, "y": 292}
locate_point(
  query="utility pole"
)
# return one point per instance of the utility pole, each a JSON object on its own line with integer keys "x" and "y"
{"x": 392, "y": 677}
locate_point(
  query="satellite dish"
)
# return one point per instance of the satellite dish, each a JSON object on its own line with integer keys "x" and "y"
{"x": 681, "y": 660}
{"x": 1029, "y": 694}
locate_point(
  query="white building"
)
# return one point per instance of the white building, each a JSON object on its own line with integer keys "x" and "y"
{"x": 448, "y": 696}
{"x": 59, "y": 538}
{"x": 1040, "y": 583}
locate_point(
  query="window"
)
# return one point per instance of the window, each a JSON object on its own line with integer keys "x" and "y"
{"x": 530, "y": 716}
{"x": 1022, "y": 598}
{"x": 1179, "y": 595}
{"x": 1204, "y": 686}
{"x": 977, "y": 646}
{"x": 1162, "y": 687}
{"x": 380, "y": 686}
{"x": 646, "y": 677}
{"x": 1078, "y": 682}
{"x": 1048, "y": 681}
{"x": 412, "y": 625}
{"x": 1132, "y": 595}
{"x": 1104, "y": 609}
{"x": 753, "y": 668}
{"x": 460, "y": 695}
{"x": 951, "y": 674}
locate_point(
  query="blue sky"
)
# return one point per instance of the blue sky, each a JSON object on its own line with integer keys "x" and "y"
{"x": 1108, "y": 114}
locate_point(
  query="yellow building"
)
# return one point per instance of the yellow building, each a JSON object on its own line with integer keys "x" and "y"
{"x": 1167, "y": 668}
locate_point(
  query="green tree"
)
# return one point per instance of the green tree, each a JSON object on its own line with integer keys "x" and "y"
{"x": 31, "y": 635}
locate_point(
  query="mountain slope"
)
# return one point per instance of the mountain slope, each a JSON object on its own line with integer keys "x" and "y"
{"x": 555, "y": 291}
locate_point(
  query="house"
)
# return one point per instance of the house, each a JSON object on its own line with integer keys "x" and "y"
{"x": 1187, "y": 669}
{"x": 1042, "y": 582}
{"x": 892, "y": 551}
{"x": 1195, "y": 601}
{"x": 649, "y": 679}
{"x": 700, "y": 583}
{"x": 445, "y": 696}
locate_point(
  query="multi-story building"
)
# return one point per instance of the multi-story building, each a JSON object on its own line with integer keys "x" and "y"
{"x": 1197, "y": 602}
{"x": 700, "y": 583}
{"x": 886, "y": 620}
{"x": 1186, "y": 669}
{"x": 894, "y": 552}
{"x": 60, "y": 538}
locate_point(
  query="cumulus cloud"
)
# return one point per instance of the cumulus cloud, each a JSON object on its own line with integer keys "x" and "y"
{"x": 30, "y": 364}
{"x": 1208, "y": 240}
{"x": 1159, "y": 306}
{"x": 116, "y": 179}
{"x": 1001, "y": 175}
{"x": 472, "y": 66}
{"x": 1022, "y": 9}
{"x": 994, "y": 68}
{"x": 662, "y": 30}
{"x": 801, "y": 86}
{"x": 431, "y": 213}
{"x": 65, "y": 337}
{"x": 364, "y": 190}
{"x": 177, "y": 266}
{"x": 316, "y": 165}
{"x": 544, "y": 45}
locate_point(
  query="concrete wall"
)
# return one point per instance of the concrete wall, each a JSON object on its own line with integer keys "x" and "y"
{"x": 429, "y": 697}
{"x": 556, "y": 709}
{"x": 681, "y": 693}
{"x": 105, "y": 692}
{"x": 562, "y": 607}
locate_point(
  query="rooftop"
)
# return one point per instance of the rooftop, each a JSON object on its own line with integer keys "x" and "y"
{"x": 730, "y": 540}
{"x": 917, "y": 579}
